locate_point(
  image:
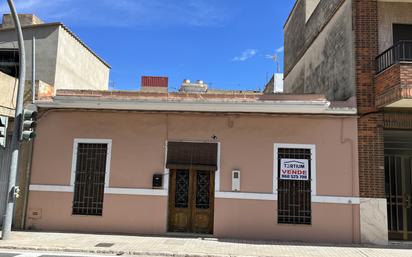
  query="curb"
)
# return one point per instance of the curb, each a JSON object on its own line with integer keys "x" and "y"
{"x": 115, "y": 252}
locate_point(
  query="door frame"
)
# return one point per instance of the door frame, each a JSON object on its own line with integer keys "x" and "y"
{"x": 192, "y": 200}
{"x": 166, "y": 183}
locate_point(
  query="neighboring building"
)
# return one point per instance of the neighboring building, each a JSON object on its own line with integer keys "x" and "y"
{"x": 8, "y": 86}
{"x": 361, "y": 49}
{"x": 275, "y": 85}
{"x": 8, "y": 89}
{"x": 62, "y": 59}
{"x": 237, "y": 165}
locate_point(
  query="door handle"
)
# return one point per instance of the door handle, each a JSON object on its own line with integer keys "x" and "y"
{"x": 407, "y": 201}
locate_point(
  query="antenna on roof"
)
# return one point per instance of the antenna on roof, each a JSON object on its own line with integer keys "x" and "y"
{"x": 112, "y": 85}
{"x": 275, "y": 58}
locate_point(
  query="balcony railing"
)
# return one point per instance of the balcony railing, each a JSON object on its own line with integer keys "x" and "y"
{"x": 401, "y": 52}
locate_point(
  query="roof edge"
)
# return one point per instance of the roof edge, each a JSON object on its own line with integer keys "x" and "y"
{"x": 315, "y": 107}
{"x": 290, "y": 14}
{"x": 50, "y": 24}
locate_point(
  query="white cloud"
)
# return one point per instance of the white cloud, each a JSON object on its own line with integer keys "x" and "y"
{"x": 276, "y": 55}
{"x": 247, "y": 54}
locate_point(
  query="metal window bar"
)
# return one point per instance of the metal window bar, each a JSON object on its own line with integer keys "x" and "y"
{"x": 294, "y": 196}
{"x": 90, "y": 179}
{"x": 182, "y": 189}
{"x": 203, "y": 190}
{"x": 393, "y": 190}
{"x": 400, "y": 52}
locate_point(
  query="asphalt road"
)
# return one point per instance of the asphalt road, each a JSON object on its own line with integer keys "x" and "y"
{"x": 12, "y": 253}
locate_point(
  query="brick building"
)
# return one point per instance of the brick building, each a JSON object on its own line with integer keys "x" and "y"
{"x": 361, "y": 50}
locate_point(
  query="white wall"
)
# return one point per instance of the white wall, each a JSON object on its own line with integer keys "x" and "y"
{"x": 77, "y": 67}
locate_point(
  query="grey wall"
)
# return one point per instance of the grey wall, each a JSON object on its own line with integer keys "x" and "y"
{"x": 294, "y": 36}
{"x": 46, "y": 50}
{"x": 319, "y": 53}
{"x": 61, "y": 60}
{"x": 388, "y": 14}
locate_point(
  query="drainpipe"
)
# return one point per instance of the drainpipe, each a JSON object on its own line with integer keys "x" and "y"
{"x": 30, "y": 153}
{"x": 352, "y": 145}
{"x": 27, "y": 185}
{"x": 33, "y": 71}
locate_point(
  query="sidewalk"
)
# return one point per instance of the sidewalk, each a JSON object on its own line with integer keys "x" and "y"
{"x": 175, "y": 246}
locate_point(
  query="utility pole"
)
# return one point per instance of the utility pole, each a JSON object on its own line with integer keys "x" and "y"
{"x": 15, "y": 142}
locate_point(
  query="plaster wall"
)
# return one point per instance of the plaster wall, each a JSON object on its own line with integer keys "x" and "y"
{"x": 8, "y": 89}
{"x": 333, "y": 223}
{"x": 61, "y": 61}
{"x": 390, "y": 13}
{"x": 46, "y": 50}
{"x": 326, "y": 64}
{"x": 77, "y": 67}
{"x": 310, "y": 7}
{"x": 246, "y": 143}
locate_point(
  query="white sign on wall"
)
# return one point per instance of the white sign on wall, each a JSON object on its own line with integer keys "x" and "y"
{"x": 294, "y": 169}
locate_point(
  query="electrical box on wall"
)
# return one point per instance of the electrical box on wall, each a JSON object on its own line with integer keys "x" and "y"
{"x": 34, "y": 213}
{"x": 157, "y": 181}
{"x": 236, "y": 180}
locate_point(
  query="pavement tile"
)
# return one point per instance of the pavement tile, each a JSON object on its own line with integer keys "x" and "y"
{"x": 176, "y": 246}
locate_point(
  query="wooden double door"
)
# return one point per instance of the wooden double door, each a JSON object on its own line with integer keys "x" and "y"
{"x": 191, "y": 201}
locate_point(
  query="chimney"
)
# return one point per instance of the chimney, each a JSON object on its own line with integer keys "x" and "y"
{"x": 154, "y": 84}
{"x": 25, "y": 20}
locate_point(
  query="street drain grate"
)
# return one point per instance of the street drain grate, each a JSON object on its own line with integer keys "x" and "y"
{"x": 104, "y": 245}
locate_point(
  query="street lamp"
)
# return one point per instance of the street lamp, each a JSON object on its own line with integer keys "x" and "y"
{"x": 13, "y": 191}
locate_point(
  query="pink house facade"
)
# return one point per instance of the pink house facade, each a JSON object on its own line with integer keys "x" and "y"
{"x": 279, "y": 167}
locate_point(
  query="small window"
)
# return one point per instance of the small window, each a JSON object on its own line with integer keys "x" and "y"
{"x": 89, "y": 181}
{"x": 294, "y": 186}
{"x": 9, "y": 62}
{"x": 402, "y": 32}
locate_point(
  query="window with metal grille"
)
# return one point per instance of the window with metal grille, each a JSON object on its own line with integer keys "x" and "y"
{"x": 90, "y": 179}
{"x": 203, "y": 190}
{"x": 294, "y": 195}
{"x": 182, "y": 189}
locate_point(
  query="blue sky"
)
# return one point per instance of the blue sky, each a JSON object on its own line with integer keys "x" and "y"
{"x": 226, "y": 43}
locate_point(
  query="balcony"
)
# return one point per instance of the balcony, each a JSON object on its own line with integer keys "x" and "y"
{"x": 394, "y": 76}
